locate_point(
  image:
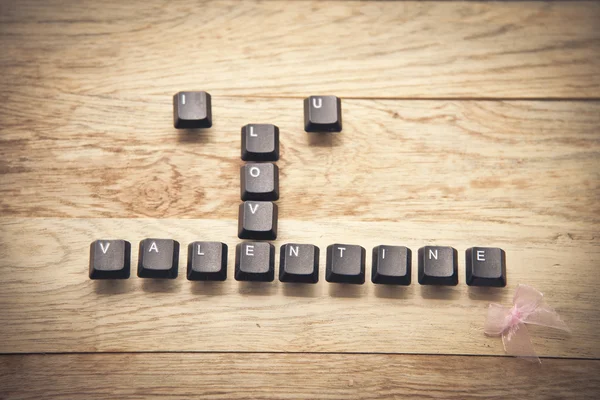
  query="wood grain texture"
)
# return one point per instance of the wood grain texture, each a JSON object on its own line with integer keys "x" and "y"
{"x": 88, "y": 151}
{"x": 287, "y": 376}
{"x": 523, "y": 163}
{"x": 122, "y": 50}
{"x": 48, "y": 303}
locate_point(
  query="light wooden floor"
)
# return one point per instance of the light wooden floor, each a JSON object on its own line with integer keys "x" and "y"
{"x": 465, "y": 124}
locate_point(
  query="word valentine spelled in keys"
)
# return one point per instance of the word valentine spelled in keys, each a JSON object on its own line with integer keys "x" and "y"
{"x": 255, "y": 261}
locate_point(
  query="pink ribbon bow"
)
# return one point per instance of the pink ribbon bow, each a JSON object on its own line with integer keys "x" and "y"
{"x": 528, "y": 308}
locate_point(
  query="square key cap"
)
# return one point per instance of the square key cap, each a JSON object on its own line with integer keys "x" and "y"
{"x": 207, "y": 261}
{"x": 260, "y": 142}
{"x": 438, "y": 265}
{"x": 322, "y": 114}
{"x": 259, "y": 181}
{"x": 158, "y": 258}
{"x": 391, "y": 265}
{"x": 345, "y": 264}
{"x": 255, "y": 261}
{"x": 257, "y": 220}
{"x": 192, "y": 110}
{"x": 486, "y": 266}
{"x": 299, "y": 263}
{"x": 110, "y": 259}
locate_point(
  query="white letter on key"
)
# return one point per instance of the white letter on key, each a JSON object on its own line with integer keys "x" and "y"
{"x": 104, "y": 250}
{"x": 153, "y": 246}
{"x": 254, "y": 172}
{"x": 294, "y": 251}
{"x": 480, "y": 255}
{"x": 432, "y": 254}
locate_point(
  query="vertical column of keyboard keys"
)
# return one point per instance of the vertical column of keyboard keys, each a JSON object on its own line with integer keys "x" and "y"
{"x": 259, "y": 182}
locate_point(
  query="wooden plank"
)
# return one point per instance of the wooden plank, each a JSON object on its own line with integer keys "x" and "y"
{"x": 435, "y": 161}
{"x": 291, "y": 376}
{"x": 48, "y": 303}
{"x": 121, "y": 49}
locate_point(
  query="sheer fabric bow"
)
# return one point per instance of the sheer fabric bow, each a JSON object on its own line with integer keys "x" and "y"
{"x": 528, "y": 308}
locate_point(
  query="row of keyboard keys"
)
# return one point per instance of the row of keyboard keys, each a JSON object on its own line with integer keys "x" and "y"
{"x": 192, "y": 109}
{"x": 158, "y": 258}
{"x": 255, "y": 261}
{"x": 438, "y": 265}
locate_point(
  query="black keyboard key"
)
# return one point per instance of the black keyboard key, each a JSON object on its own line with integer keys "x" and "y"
{"x": 259, "y": 181}
{"x": 345, "y": 264}
{"x": 322, "y": 114}
{"x": 192, "y": 110}
{"x": 255, "y": 261}
{"x": 391, "y": 265}
{"x": 110, "y": 259}
{"x": 207, "y": 261}
{"x": 158, "y": 258}
{"x": 260, "y": 142}
{"x": 438, "y": 266}
{"x": 257, "y": 220}
{"x": 299, "y": 263}
{"x": 486, "y": 266}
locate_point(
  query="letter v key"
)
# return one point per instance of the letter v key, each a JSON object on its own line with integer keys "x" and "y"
{"x": 257, "y": 220}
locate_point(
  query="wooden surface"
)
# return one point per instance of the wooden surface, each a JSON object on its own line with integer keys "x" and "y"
{"x": 529, "y": 163}
{"x": 293, "y": 376}
{"x": 67, "y": 312}
{"x": 119, "y": 49}
{"x": 465, "y": 124}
